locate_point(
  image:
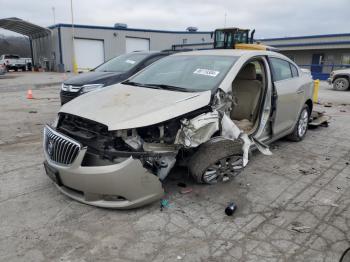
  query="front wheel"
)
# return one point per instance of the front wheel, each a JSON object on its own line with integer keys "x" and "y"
{"x": 301, "y": 126}
{"x": 341, "y": 84}
{"x": 215, "y": 159}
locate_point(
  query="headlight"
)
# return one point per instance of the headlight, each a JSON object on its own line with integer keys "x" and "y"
{"x": 92, "y": 87}
{"x": 331, "y": 74}
{"x": 64, "y": 87}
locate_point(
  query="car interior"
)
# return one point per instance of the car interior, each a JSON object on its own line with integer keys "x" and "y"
{"x": 247, "y": 90}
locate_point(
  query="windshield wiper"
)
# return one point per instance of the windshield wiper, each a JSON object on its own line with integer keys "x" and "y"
{"x": 169, "y": 87}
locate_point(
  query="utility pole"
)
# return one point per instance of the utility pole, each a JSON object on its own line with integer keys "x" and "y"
{"x": 225, "y": 20}
{"x": 75, "y": 66}
{"x": 54, "y": 15}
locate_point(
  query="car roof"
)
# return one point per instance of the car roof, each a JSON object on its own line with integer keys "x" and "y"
{"x": 229, "y": 52}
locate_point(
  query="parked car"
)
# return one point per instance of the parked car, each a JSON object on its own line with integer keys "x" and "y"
{"x": 2, "y": 69}
{"x": 339, "y": 79}
{"x": 205, "y": 109}
{"x": 14, "y": 62}
{"x": 111, "y": 72}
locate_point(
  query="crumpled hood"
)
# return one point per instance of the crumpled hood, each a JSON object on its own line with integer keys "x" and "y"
{"x": 122, "y": 106}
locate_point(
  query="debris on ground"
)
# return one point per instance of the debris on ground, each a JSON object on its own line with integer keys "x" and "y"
{"x": 311, "y": 171}
{"x": 164, "y": 203}
{"x": 186, "y": 190}
{"x": 328, "y": 104}
{"x": 181, "y": 184}
{"x": 225, "y": 179}
{"x": 328, "y": 202}
{"x": 319, "y": 119}
{"x": 299, "y": 227}
{"x": 33, "y": 112}
{"x": 342, "y": 110}
{"x": 230, "y": 209}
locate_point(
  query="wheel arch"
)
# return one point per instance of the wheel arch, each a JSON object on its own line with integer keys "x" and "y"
{"x": 341, "y": 76}
{"x": 310, "y": 104}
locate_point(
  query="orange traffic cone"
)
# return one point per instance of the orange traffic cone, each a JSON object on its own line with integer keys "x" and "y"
{"x": 30, "y": 94}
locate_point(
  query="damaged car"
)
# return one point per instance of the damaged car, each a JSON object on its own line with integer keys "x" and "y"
{"x": 203, "y": 109}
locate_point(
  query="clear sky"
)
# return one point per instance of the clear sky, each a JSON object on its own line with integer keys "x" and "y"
{"x": 270, "y": 18}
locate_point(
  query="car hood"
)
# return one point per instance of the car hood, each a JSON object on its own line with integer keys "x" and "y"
{"x": 92, "y": 78}
{"x": 122, "y": 106}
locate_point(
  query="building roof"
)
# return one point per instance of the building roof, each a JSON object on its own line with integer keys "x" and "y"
{"x": 128, "y": 29}
{"x": 23, "y": 27}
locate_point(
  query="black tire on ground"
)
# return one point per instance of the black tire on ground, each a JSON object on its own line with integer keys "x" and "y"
{"x": 341, "y": 84}
{"x": 210, "y": 153}
{"x": 301, "y": 126}
{"x": 23, "y": 68}
{"x": 16, "y": 69}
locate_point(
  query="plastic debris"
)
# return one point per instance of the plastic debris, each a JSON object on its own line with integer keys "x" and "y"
{"x": 186, "y": 190}
{"x": 164, "y": 203}
{"x": 230, "y": 209}
{"x": 33, "y": 112}
{"x": 299, "y": 227}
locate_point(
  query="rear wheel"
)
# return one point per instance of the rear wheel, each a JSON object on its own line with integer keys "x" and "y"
{"x": 215, "y": 159}
{"x": 341, "y": 84}
{"x": 301, "y": 126}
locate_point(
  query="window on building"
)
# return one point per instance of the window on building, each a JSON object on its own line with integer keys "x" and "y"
{"x": 345, "y": 59}
{"x": 281, "y": 69}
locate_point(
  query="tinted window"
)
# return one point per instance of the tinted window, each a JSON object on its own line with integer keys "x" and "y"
{"x": 294, "y": 70}
{"x": 11, "y": 57}
{"x": 193, "y": 73}
{"x": 121, "y": 63}
{"x": 280, "y": 69}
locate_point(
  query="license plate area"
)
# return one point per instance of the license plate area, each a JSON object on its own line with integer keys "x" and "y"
{"x": 52, "y": 174}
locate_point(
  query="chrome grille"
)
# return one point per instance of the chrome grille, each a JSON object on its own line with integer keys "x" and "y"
{"x": 59, "y": 147}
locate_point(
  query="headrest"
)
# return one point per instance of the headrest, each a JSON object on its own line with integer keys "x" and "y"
{"x": 247, "y": 73}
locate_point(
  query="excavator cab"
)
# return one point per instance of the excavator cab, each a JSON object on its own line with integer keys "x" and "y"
{"x": 227, "y": 38}
{"x": 237, "y": 38}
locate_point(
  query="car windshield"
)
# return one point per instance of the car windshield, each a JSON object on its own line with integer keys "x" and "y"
{"x": 185, "y": 72}
{"x": 121, "y": 63}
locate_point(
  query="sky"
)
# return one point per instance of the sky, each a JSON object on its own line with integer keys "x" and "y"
{"x": 270, "y": 18}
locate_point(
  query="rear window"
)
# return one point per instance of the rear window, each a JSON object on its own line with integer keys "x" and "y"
{"x": 280, "y": 69}
{"x": 11, "y": 57}
{"x": 122, "y": 63}
{"x": 294, "y": 70}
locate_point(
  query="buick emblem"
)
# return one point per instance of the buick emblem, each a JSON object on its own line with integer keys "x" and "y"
{"x": 50, "y": 148}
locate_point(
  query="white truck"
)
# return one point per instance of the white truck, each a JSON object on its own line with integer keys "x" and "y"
{"x": 15, "y": 62}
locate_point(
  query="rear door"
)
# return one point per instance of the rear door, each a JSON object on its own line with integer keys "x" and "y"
{"x": 289, "y": 95}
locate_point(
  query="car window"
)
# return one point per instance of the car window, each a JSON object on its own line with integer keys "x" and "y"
{"x": 280, "y": 69}
{"x": 11, "y": 57}
{"x": 188, "y": 72}
{"x": 294, "y": 70}
{"x": 122, "y": 63}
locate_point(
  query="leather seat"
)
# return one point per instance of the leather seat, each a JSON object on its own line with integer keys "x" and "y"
{"x": 246, "y": 91}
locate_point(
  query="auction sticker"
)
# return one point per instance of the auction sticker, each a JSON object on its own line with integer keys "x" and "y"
{"x": 206, "y": 72}
{"x": 130, "y": 61}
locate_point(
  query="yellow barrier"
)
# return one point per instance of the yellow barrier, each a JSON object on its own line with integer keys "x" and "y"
{"x": 316, "y": 88}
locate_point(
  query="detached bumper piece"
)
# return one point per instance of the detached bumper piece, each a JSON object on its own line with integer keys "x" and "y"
{"x": 122, "y": 186}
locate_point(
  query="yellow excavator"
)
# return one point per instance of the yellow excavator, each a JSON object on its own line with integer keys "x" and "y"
{"x": 237, "y": 38}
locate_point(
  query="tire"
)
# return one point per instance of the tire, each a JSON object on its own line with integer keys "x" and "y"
{"x": 223, "y": 154}
{"x": 341, "y": 84}
{"x": 16, "y": 69}
{"x": 301, "y": 126}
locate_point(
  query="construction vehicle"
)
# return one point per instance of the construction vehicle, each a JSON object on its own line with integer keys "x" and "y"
{"x": 237, "y": 38}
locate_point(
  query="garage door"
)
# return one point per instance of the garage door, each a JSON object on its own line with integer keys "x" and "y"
{"x": 136, "y": 44}
{"x": 88, "y": 53}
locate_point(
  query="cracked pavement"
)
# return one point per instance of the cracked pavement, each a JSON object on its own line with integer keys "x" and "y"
{"x": 292, "y": 206}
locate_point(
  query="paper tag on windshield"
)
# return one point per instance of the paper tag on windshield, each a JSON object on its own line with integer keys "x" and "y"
{"x": 130, "y": 61}
{"x": 206, "y": 72}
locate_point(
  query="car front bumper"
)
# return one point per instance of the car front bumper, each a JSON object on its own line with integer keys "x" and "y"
{"x": 121, "y": 186}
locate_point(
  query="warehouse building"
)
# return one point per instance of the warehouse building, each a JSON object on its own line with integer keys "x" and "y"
{"x": 95, "y": 44}
{"x": 319, "y": 53}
